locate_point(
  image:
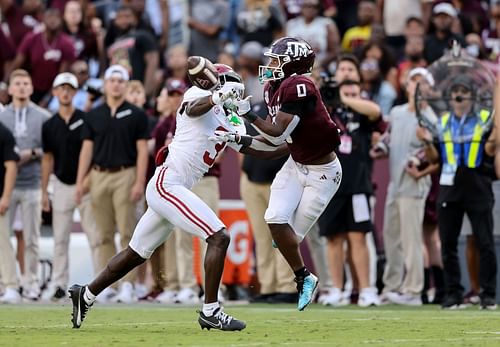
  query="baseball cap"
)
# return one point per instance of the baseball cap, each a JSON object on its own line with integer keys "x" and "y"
{"x": 422, "y": 71}
{"x": 462, "y": 80}
{"x": 116, "y": 71}
{"x": 65, "y": 78}
{"x": 175, "y": 85}
{"x": 445, "y": 8}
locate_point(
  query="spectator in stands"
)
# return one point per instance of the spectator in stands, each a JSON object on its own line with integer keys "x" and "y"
{"x": 62, "y": 142}
{"x": 24, "y": 119}
{"x": 443, "y": 16}
{"x": 261, "y": 21}
{"x": 379, "y": 75}
{"x": 414, "y": 27}
{"x": 465, "y": 187}
{"x": 406, "y": 194}
{"x": 118, "y": 155}
{"x": 320, "y": 32}
{"x": 357, "y": 36}
{"x": 208, "y": 19}
{"x": 46, "y": 53}
{"x": 394, "y": 15}
{"x": 491, "y": 35}
{"x": 176, "y": 65}
{"x": 249, "y": 60}
{"x": 7, "y": 54}
{"x": 135, "y": 49}
{"x": 19, "y": 21}
{"x": 84, "y": 39}
{"x": 85, "y": 97}
{"x": 8, "y": 171}
{"x": 412, "y": 59}
{"x": 347, "y": 217}
{"x": 273, "y": 272}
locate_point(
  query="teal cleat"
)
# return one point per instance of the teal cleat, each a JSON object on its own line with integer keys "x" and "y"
{"x": 307, "y": 288}
{"x": 274, "y": 244}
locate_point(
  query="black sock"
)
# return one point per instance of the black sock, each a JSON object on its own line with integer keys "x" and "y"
{"x": 301, "y": 273}
{"x": 427, "y": 285}
{"x": 438, "y": 277}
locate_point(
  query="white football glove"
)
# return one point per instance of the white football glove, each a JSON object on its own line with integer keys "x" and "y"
{"x": 237, "y": 88}
{"x": 220, "y": 97}
{"x": 242, "y": 106}
{"x": 224, "y": 136}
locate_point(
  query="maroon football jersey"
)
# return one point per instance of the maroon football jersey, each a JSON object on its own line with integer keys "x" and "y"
{"x": 316, "y": 135}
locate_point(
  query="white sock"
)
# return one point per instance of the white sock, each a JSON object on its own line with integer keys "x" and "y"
{"x": 208, "y": 309}
{"x": 88, "y": 296}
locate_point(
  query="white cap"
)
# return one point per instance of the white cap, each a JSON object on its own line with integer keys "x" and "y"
{"x": 116, "y": 71}
{"x": 445, "y": 8}
{"x": 422, "y": 71}
{"x": 65, "y": 78}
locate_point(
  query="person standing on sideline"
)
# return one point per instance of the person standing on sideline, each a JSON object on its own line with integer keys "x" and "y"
{"x": 8, "y": 171}
{"x": 115, "y": 152}
{"x": 24, "y": 119}
{"x": 61, "y": 139}
{"x": 462, "y": 145}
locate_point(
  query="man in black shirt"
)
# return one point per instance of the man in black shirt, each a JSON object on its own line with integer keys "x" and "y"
{"x": 135, "y": 49}
{"x": 347, "y": 217}
{"x": 8, "y": 171}
{"x": 61, "y": 139}
{"x": 115, "y": 141}
{"x": 437, "y": 42}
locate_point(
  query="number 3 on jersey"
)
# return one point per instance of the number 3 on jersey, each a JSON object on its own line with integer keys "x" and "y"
{"x": 219, "y": 146}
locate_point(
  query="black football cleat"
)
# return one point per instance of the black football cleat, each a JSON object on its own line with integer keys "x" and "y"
{"x": 221, "y": 321}
{"x": 80, "y": 306}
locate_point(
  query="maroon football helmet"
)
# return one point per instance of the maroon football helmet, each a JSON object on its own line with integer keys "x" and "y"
{"x": 295, "y": 57}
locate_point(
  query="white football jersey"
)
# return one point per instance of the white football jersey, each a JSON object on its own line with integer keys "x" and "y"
{"x": 191, "y": 153}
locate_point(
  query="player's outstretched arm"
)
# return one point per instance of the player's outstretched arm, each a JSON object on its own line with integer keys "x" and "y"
{"x": 278, "y": 152}
{"x": 204, "y": 104}
{"x": 256, "y": 146}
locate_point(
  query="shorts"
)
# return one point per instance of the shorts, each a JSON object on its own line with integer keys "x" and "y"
{"x": 339, "y": 217}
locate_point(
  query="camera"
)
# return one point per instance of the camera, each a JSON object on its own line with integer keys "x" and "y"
{"x": 95, "y": 93}
{"x": 330, "y": 91}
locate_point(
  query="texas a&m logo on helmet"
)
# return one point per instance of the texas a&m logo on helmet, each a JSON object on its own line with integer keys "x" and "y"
{"x": 288, "y": 56}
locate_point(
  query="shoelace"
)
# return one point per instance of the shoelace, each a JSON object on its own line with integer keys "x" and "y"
{"x": 224, "y": 317}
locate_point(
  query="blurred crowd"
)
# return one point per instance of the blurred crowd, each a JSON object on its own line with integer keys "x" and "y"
{"x": 365, "y": 50}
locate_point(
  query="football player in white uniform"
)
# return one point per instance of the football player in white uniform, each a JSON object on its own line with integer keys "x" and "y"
{"x": 188, "y": 157}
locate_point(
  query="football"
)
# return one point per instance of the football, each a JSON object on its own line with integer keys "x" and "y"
{"x": 202, "y": 73}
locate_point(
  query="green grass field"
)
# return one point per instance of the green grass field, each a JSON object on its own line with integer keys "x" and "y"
{"x": 267, "y": 325}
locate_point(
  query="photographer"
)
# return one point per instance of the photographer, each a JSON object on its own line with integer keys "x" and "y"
{"x": 408, "y": 188}
{"x": 463, "y": 145}
{"x": 347, "y": 217}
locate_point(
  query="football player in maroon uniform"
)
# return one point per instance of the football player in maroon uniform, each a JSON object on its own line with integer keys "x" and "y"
{"x": 308, "y": 180}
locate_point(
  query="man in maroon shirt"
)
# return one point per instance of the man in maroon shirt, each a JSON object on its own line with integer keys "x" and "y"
{"x": 311, "y": 176}
{"x": 20, "y": 20}
{"x": 46, "y": 54}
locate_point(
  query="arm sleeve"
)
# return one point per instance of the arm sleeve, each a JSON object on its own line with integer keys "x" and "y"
{"x": 142, "y": 127}
{"x": 87, "y": 133}
{"x": 46, "y": 145}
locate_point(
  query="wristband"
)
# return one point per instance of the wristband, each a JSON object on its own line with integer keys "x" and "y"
{"x": 245, "y": 141}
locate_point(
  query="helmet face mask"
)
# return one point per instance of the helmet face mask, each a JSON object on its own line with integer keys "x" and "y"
{"x": 293, "y": 57}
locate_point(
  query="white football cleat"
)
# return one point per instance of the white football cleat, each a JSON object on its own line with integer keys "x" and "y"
{"x": 126, "y": 295}
{"x": 368, "y": 297}
{"x": 166, "y": 297}
{"x": 11, "y": 296}
{"x": 187, "y": 296}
